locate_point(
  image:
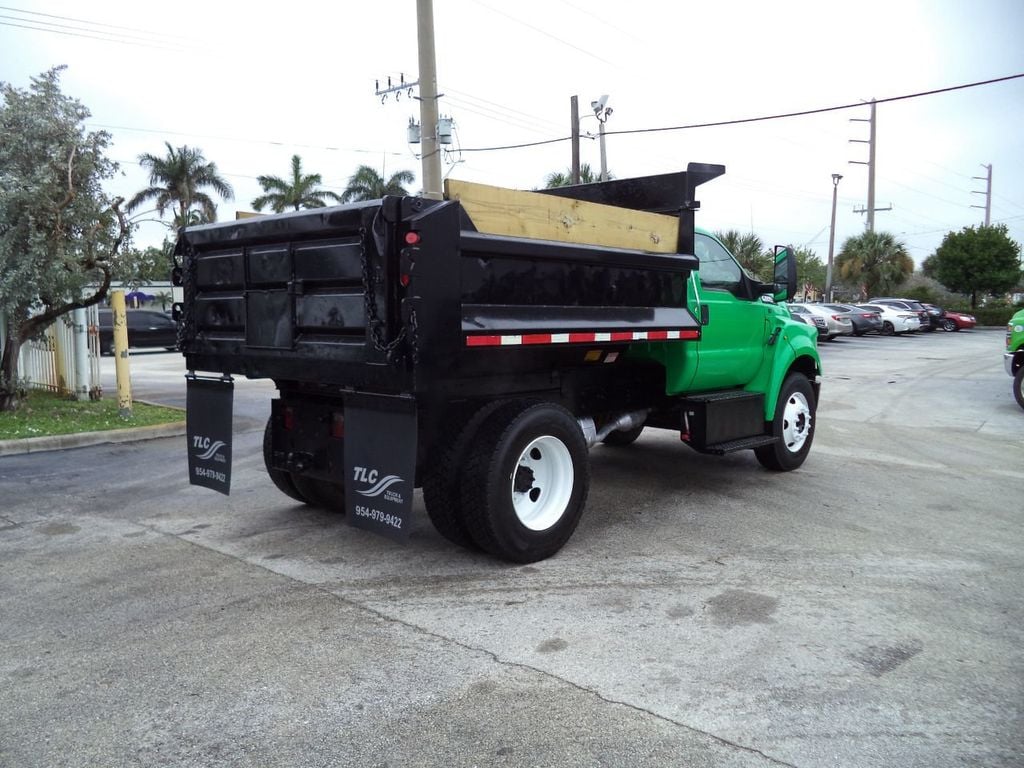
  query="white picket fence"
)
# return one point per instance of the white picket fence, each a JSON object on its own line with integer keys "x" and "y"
{"x": 49, "y": 362}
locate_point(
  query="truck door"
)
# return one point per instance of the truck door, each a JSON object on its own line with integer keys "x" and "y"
{"x": 732, "y": 344}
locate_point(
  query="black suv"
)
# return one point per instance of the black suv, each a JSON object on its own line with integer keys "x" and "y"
{"x": 146, "y": 328}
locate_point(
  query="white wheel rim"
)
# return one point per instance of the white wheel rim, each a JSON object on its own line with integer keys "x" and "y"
{"x": 542, "y": 483}
{"x": 796, "y": 422}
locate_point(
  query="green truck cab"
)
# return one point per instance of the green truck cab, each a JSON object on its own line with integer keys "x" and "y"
{"x": 1013, "y": 357}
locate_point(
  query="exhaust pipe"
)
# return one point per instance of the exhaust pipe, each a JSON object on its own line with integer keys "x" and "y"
{"x": 626, "y": 421}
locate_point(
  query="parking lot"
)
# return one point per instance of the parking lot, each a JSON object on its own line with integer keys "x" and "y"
{"x": 862, "y": 611}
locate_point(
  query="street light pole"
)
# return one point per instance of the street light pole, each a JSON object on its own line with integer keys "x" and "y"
{"x": 431, "y": 163}
{"x": 832, "y": 236}
{"x": 601, "y": 112}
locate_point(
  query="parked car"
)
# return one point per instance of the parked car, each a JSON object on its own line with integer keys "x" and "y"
{"x": 818, "y": 323}
{"x": 894, "y": 321}
{"x": 864, "y": 320}
{"x": 936, "y": 315}
{"x": 146, "y": 328}
{"x": 911, "y": 306}
{"x": 955, "y": 321}
{"x": 838, "y": 323}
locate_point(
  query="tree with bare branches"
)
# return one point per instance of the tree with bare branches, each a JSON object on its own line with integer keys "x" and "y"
{"x": 59, "y": 231}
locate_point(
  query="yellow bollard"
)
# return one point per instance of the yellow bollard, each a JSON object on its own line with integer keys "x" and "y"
{"x": 124, "y": 379}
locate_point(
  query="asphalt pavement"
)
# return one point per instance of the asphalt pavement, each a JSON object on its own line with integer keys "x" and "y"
{"x": 862, "y": 611}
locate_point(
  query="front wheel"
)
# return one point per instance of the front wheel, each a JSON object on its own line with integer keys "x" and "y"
{"x": 526, "y": 481}
{"x": 1018, "y": 386}
{"x": 949, "y": 325}
{"x": 793, "y": 426}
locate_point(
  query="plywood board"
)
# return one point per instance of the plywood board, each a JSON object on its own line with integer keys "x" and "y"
{"x": 500, "y": 211}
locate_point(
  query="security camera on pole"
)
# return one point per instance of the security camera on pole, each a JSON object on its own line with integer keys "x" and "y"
{"x": 602, "y": 111}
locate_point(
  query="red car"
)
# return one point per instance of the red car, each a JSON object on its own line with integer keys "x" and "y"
{"x": 954, "y": 321}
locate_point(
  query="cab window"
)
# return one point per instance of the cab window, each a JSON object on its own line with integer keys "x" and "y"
{"x": 718, "y": 269}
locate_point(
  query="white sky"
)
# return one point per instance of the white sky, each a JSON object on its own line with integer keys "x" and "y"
{"x": 252, "y": 84}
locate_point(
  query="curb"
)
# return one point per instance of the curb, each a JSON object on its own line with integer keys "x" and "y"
{"x": 83, "y": 439}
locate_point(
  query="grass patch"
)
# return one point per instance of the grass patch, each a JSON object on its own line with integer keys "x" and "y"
{"x": 43, "y": 414}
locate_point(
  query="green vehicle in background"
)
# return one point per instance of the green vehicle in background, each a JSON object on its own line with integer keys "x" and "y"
{"x": 1013, "y": 357}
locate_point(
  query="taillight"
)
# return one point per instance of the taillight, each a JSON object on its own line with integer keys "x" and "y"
{"x": 288, "y": 417}
{"x": 412, "y": 238}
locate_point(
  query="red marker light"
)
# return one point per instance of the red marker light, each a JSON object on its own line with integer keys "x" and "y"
{"x": 404, "y": 280}
{"x": 412, "y": 238}
{"x": 289, "y": 419}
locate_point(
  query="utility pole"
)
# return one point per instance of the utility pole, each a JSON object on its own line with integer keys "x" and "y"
{"x": 832, "y": 236}
{"x": 428, "y": 100}
{"x": 987, "y": 193}
{"x": 574, "y": 110}
{"x": 870, "y": 209}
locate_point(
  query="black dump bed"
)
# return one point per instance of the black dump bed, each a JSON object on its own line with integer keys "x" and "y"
{"x": 404, "y": 295}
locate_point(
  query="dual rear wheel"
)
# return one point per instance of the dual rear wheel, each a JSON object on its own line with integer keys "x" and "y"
{"x": 513, "y": 482}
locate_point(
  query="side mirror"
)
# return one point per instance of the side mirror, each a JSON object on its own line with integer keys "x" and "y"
{"x": 785, "y": 273}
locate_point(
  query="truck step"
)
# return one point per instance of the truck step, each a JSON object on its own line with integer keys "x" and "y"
{"x": 744, "y": 443}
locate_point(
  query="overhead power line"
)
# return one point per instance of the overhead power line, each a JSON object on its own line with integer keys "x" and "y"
{"x": 763, "y": 118}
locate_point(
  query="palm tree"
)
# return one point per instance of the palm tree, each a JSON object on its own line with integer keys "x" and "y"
{"x": 300, "y": 191}
{"x": 875, "y": 261}
{"x": 748, "y": 250}
{"x": 367, "y": 184}
{"x": 559, "y": 179}
{"x": 177, "y": 181}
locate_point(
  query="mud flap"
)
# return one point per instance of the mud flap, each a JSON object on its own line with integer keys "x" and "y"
{"x": 209, "y": 404}
{"x": 380, "y": 463}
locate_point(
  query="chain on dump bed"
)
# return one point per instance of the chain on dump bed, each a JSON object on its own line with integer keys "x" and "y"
{"x": 373, "y": 320}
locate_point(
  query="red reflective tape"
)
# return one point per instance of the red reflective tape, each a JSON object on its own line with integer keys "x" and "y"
{"x": 604, "y": 337}
{"x": 483, "y": 341}
{"x": 536, "y": 338}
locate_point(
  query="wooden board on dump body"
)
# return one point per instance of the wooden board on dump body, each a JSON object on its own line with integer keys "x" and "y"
{"x": 499, "y": 211}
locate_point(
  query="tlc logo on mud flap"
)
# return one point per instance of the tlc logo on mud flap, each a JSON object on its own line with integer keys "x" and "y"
{"x": 207, "y": 449}
{"x": 379, "y": 486}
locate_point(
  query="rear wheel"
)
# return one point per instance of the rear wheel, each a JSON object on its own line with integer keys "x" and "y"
{"x": 793, "y": 426}
{"x": 442, "y": 480}
{"x": 321, "y": 493}
{"x": 525, "y": 482}
{"x": 888, "y": 329}
{"x": 1018, "y": 386}
{"x": 280, "y": 478}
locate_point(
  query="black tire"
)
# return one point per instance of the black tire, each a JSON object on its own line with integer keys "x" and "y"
{"x": 525, "y": 482}
{"x": 442, "y": 480}
{"x": 793, "y": 426}
{"x": 622, "y": 437}
{"x": 888, "y": 329}
{"x": 1018, "y": 386}
{"x": 280, "y": 478}
{"x": 949, "y": 325}
{"x": 321, "y": 493}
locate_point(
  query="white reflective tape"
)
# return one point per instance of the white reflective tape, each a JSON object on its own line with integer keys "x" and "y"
{"x": 559, "y": 338}
{"x": 673, "y": 334}
{"x": 639, "y": 335}
{"x": 602, "y": 337}
{"x": 511, "y": 340}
